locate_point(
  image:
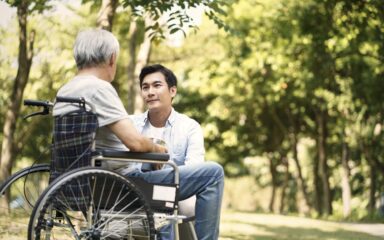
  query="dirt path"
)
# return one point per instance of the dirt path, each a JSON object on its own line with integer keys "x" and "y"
{"x": 252, "y": 226}
{"x": 375, "y": 229}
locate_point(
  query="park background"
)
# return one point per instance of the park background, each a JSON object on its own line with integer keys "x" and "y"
{"x": 288, "y": 93}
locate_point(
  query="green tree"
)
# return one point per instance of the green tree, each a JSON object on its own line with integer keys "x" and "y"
{"x": 24, "y": 8}
{"x": 294, "y": 70}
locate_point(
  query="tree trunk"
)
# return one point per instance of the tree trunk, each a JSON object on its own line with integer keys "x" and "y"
{"x": 317, "y": 187}
{"x": 105, "y": 21}
{"x": 285, "y": 184}
{"x": 13, "y": 109}
{"x": 323, "y": 166}
{"x": 373, "y": 177}
{"x": 135, "y": 101}
{"x": 131, "y": 84}
{"x": 293, "y": 133}
{"x": 372, "y": 190}
{"x": 345, "y": 185}
{"x": 107, "y": 14}
{"x": 301, "y": 181}
{"x": 272, "y": 169}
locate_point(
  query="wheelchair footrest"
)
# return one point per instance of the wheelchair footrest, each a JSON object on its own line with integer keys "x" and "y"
{"x": 162, "y": 219}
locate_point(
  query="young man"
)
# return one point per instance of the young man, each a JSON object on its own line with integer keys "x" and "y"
{"x": 185, "y": 143}
{"x": 182, "y": 135}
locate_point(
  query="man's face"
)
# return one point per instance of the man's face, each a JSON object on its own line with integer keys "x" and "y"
{"x": 156, "y": 93}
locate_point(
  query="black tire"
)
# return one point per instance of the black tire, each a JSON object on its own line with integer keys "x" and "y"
{"x": 91, "y": 203}
{"x": 18, "y": 195}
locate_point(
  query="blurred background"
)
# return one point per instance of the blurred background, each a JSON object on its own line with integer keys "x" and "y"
{"x": 289, "y": 93}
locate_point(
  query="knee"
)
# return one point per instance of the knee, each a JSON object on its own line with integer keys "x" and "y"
{"x": 216, "y": 169}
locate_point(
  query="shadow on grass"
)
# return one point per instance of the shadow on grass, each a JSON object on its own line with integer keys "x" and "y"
{"x": 296, "y": 233}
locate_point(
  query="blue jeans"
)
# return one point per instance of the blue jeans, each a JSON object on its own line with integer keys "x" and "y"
{"x": 206, "y": 181}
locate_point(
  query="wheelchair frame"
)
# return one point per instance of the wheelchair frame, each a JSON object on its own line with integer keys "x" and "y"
{"x": 105, "y": 155}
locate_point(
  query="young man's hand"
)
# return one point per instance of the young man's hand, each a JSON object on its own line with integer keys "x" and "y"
{"x": 157, "y": 166}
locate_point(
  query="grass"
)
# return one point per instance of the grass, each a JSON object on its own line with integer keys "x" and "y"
{"x": 13, "y": 228}
{"x": 249, "y": 226}
{"x": 253, "y": 226}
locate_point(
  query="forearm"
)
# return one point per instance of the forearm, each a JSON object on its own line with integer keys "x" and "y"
{"x": 146, "y": 145}
{"x": 140, "y": 144}
{"x": 132, "y": 139}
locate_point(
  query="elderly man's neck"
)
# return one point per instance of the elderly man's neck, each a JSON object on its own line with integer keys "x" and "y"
{"x": 99, "y": 72}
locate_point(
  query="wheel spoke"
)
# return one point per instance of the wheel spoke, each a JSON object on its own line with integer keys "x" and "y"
{"x": 118, "y": 208}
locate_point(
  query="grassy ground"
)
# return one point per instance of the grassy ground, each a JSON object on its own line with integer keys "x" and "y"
{"x": 248, "y": 226}
{"x": 13, "y": 228}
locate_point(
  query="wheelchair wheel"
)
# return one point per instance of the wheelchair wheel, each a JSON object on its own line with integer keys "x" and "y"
{"x": 91, "y": 203}
{"x": 18, "y": 195}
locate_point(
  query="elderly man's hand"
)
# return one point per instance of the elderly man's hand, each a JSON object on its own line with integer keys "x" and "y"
{"x": 159, "y": 148}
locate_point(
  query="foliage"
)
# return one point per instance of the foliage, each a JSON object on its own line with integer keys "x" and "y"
{"x": 255, "y": 88}
{"x": 52, "y": 66}
{"x": 179, "y": 17}
{"x": 169, "y": 17}
{"x": 288, "y": 63}
{"x": 33, "y": 6}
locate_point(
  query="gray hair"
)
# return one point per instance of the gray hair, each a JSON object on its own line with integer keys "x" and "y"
{"x": 94, "y": 47}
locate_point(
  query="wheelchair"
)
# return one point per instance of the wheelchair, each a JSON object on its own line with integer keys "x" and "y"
{"x": 76, "y": 197}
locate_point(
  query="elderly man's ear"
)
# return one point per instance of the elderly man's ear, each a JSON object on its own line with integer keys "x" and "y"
{"x": 112, "y": 59}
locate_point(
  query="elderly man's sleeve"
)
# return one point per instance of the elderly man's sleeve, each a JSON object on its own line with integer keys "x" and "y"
{"x": 109, "y": 107}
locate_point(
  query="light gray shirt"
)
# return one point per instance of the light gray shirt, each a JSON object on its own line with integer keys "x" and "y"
{"x": 182, "y": 135}
{"x": 108, "y": 107}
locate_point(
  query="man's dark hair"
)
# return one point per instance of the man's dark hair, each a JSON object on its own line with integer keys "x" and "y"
{"x": 170, "y": 77}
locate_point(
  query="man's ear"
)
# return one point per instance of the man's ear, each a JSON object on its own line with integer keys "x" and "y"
{"x": 173, "y": 91}
{"x": 112, "y": 59}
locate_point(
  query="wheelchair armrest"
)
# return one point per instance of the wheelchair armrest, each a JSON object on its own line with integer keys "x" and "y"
{"x": 135, "y": 155}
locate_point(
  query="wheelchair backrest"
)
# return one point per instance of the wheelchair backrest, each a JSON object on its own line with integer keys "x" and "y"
{"x": 73, "y": 141}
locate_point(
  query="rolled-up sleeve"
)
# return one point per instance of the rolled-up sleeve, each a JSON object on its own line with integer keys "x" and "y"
{"x": 109, "y": 109}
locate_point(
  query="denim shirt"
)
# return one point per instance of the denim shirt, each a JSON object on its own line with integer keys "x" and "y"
{"x": 182, "y": 135}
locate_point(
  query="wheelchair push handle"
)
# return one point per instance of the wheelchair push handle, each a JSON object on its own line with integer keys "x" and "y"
{"x": 37, "y": 103}
{"x": 79, "y": 100}
{"x": 46, "y": 105}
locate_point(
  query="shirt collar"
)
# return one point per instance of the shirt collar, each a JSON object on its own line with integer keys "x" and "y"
{"x": 171, "y": 119}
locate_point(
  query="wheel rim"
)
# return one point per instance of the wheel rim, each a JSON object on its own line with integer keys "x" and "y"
{"x": 18, "y": 196}
{"x": 118, "y": 210}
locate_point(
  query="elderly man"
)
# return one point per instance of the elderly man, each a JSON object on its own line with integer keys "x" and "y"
{"x": 96, "y": 54}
